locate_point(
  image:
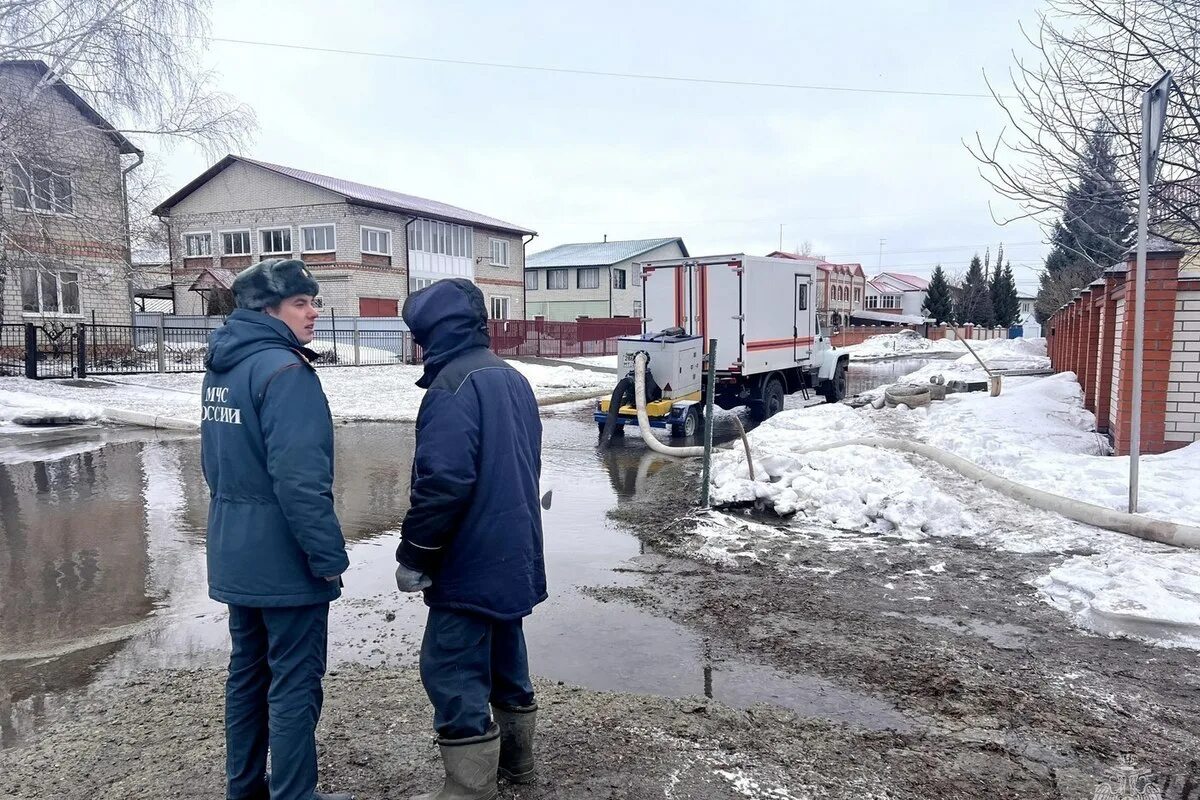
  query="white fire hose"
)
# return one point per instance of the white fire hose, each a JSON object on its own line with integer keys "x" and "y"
{"x": 639, "y": 398}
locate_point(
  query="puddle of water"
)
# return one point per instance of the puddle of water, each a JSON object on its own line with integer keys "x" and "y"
{"x": 866, "y": 375}
{"x": 103, "y": 575}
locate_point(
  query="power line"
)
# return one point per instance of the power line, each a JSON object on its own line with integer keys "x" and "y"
{"x": 603, "y": 73}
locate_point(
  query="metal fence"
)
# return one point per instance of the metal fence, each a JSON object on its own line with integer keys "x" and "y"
{"x": 64, "y": 351}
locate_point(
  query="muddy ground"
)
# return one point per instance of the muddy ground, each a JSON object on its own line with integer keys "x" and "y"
{"x": 1005, "y": 698}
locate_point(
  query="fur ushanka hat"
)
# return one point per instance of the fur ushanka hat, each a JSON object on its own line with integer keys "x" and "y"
{"x": 270, "y": 282}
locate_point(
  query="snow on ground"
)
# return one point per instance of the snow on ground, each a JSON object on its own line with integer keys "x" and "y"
{"x": 905, "y": 344}
{"x": 1036, "y": 433}
{"x": 596, "y": 361}
{"x": 355, "y": 394}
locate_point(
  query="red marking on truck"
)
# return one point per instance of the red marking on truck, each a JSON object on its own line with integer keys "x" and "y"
{"x": 679, "y": 298}
{"x": 778, "y": 344}
{"x": 703, "y": 309}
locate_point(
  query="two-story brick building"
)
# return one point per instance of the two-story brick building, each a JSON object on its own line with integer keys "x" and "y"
{"x": 64, "y": 244}
{"x": 592, "y": 279}
{"x": 368, "y": 247}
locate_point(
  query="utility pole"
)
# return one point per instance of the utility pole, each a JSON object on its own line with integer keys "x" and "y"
{"x": 781, "y": 237}
{"x": 1154, "y": 113}
{"x": 882, "y": 242}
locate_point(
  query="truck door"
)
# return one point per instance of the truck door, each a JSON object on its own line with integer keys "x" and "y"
{"x": 801, "y": 320}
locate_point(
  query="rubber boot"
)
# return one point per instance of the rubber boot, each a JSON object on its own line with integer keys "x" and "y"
{"x": 470, "y": 766}
{"x": 517, "y": 724}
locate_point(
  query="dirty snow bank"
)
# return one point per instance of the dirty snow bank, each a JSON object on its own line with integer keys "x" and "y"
{"x": 384, "y": 394}
{"x": 1036, "y": 433}
{"x": 905, "y": 344}
{"x": 19, "y": 404}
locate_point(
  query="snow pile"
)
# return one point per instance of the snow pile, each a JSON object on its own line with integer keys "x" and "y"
{"x": 905, "y": 344}
{"x": 566, "y": 378}
{"x": 1154, "y": 596}
{"x": 609, "y": 362}
{"x": 19, "y": 404}
{"x": 998, "y": 354}
{"x": 851, "y": 488}
{"x": 356, "y": 394}
{"x": 1037, "y": 433}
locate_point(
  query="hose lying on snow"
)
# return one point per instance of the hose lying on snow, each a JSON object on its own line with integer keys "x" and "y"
{"x": 639, "y": 396}
{"x": 1154, "y": 530}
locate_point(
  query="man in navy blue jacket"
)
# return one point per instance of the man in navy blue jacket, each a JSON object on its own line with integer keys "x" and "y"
{"x": 275, "y": 548}
{"x": 472, "y": 540}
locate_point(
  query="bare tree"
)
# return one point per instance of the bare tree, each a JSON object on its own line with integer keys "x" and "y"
{"x": 68, "y": 190}
{"x": 1096, "y": 58}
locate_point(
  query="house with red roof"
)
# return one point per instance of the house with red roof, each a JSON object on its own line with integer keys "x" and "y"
{"x": 841, "y": 288}
{"x": 896, "y": 293}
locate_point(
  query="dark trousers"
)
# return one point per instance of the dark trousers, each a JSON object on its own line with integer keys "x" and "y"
{"x": 469, "y": 662}
{"x": 273, "y": 700}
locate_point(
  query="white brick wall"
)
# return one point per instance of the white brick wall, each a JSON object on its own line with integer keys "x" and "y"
{"x": 1183, "y": 388}
{"x": 90, "y": 241}
{"x": 1118, "y": 332}
{"x": 500, "y": 281}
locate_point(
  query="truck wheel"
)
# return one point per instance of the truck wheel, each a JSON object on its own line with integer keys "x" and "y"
{"x": 772, "y": 400}
{"x": 692, "y": 424}
{"x": 834, "y": 390}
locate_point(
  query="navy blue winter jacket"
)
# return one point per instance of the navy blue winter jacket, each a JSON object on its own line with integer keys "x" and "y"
{"x": 474, "y": 524}
{"x": 266, "y": 441}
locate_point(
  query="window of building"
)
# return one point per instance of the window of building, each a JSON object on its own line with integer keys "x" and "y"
{"x": 531, "y": 280}
{"x": 197, "y": 244}
{"x": 318, "y": 238}
{"x": 235, "y": 243}
{"x": 40, "y": 188}
{"x": 557, "y": 279}
{"x": 499, "y": 253}
{"x": 417, "y": 284}
{"x": 637, "y": 308}
{"x": 858, "y": 295}
{"x": 443, "y": 238}
{"x": 872, "y": 301}
{"x": 619, "y": 278}
{"x": 499, "y": 308}
{"x": 376, "y": 241}
{"x": 275, "y": 241}
{"x": 46, "y": 292}
{"x": 802, "y": 297}
{"x": 588, "y": 278}
{"x": 891, "y": 301}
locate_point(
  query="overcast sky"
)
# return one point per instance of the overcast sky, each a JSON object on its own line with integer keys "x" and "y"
{"x": 577, "y": 157}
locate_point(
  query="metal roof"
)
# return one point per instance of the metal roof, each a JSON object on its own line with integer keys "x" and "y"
{"x": 124, "y": 146}
{"x": 597, "y": 254}
{"x": 356, "y": 193}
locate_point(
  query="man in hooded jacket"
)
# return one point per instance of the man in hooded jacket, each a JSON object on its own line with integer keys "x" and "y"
{"x": 472, "y": 540}
{"x": 275, "y": 548}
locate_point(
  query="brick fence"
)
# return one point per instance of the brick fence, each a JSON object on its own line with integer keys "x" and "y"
{"x": 857, "y": 334}
{"x": 1092, "y": 336}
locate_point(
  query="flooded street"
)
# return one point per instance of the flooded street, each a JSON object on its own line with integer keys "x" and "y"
{"x": 102, "y": 565}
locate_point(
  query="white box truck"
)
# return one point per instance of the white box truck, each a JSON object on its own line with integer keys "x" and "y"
{"x": 762, "y": 312}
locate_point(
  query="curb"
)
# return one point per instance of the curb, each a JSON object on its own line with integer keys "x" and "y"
{"x": 155, "y": 421}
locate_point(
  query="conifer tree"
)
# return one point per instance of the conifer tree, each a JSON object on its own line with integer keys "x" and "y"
{"x": 939, "y": 305}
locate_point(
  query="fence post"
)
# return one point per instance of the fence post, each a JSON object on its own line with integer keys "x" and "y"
{"x": 160, "y": 343}
{"x": 81, "y": 350}
{"x": 357, "y": 362}
{"x": 30, "y": 351}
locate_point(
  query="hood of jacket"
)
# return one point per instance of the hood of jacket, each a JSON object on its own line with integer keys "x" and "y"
{"x": 446, "y": 319}
{"x": 246, "y": 333}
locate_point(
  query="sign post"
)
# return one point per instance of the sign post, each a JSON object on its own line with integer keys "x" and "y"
{"x": 1154, "y": 114}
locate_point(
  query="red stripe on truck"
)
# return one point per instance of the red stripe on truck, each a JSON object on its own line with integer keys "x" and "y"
{"x": 778, "y": 344}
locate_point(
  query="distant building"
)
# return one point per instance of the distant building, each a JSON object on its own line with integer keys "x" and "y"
{"x": 592, "y": 279}
{"x": 1027, "y": 302}
{"x": 368, "y": 247}
{"x": 63, "y": 236}
{"x": 897, "y": 293}
{"x": 841, "y": 288}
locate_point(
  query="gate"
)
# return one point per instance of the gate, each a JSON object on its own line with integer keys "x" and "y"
{"x": 54, "y": 350}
